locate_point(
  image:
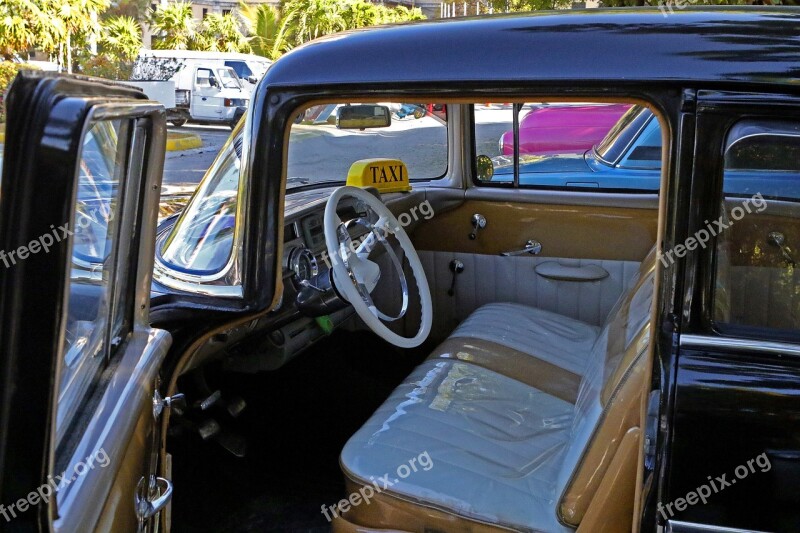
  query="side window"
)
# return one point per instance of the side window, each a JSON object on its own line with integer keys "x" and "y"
{"x": 204, "y": 77}
{"x": 568, "y": 145}
{"x": 240, "y": 67}
{"x": 645, "y": 152}
{"x": 757, "y": 282}
{"x": 98, "y": 309}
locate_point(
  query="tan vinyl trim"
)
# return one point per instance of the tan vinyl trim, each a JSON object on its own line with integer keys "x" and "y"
{"x": 611, "y": 510}
{"x": 512, "y": 363}
{"x": 386, "y": 510}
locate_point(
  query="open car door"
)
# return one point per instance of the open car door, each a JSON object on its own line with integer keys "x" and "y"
{"x": 79, "y": 361}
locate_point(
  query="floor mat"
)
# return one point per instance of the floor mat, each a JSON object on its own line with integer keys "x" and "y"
{"x": 296, "y": 422}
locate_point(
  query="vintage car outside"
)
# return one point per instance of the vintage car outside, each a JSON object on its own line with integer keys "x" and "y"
{"x": 351, "y": 327}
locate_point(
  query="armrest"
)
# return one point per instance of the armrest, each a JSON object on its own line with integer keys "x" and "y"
{"x": 556, "y": 271}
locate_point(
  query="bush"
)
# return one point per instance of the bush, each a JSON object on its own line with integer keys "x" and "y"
{"x": 8, "y": 71}
{"x": 102, "y": 66}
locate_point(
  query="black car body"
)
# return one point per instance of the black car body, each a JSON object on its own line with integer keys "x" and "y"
{"x": 722, "y": 385}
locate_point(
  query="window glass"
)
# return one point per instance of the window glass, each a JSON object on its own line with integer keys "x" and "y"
{"x": 229, "y": 78}
{"x": 94, "y": 317}
{"x": 320, "y": 151}
{"x": 645, "y": 152}
{"x": 202, "y": 239}
{"x": 758, "y": 232}
{"x": 204, "y": 76}
{"x": 571, "y": 145}
{"x": 240, "y": 67}
{"x": 494, "y": 138}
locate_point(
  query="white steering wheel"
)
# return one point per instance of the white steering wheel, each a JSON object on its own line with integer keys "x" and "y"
{"x": 355, "y": 276}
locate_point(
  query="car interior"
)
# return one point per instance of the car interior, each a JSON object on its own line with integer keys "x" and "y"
{"x": 449, "y": 352}
{"x": 525, "y": 396}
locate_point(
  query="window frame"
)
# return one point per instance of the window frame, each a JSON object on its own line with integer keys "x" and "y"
{"x": 118, "y": 320}
{"x": 733, "y": 136}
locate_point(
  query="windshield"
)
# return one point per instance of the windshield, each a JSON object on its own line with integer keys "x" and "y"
{"x": 321, "y": 151}
{"x": 229, "y": 79}
{"x": 611, "y": 148}
{"x": 200, "y": 243}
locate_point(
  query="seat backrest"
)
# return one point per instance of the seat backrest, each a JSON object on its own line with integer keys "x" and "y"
{"x": 608, "y": 402}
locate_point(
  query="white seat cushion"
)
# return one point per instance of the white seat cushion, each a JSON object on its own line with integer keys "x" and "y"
{"x": 556, "y": 339}
{"x": 496, "y": 445}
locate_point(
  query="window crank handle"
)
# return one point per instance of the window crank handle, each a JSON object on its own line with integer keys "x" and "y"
{"x": 456, "y": 267}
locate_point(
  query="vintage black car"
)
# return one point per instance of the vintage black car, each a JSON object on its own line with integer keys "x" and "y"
{"x": 351, "y": 327}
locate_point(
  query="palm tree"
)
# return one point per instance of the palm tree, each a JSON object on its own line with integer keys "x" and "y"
{"x": 220, "y": 33}
{"x": 77, "y": 17}
{"x": 359, "y": 14}
{"x": 25, "y": 24}
{"x": 121, "y": 37}
{"x": 263, "y": 25}
{"x": 304, "y": 20}
{"x": 173, "y": 26}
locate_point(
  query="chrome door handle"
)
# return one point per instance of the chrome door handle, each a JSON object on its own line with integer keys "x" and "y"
{"x": 149, "y": 501}
{"x": 776, "y": 238}
{"x": 532, "y": 247}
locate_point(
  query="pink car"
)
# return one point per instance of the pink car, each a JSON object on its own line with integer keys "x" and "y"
{"x": 563, "y": 129}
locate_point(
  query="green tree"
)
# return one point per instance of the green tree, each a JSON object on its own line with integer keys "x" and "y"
{"x": 359, "y": 14}
{"x": 25, "y": 24}
{"x": 305, "y": 20}
{"x": 220, "y": 33}
{"x": 121, "y": 38}
{"x": 79, "y": 18}
{"x": 173, "y": 26}
{"x": 263, "y": 23}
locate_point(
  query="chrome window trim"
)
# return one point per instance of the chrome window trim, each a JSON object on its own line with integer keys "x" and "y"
{"x": 110, "y": 429}
{"x": 739, "y": 345}
{"x": 679, "y": 526}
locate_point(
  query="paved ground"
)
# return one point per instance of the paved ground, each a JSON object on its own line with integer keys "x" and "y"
{"x": 189, "y": 166}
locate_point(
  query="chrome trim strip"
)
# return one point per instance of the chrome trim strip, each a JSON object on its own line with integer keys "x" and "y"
{"x": 111, "y": 429}
{"x": 739, "y": 345}
{"x": 563, "y": 197}
{"x": 678, "y": 526}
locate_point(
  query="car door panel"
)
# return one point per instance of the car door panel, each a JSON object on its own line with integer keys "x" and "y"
{"x": 736, "y": 373}
{"x": 46, "y": 176}
{"x": 568, "y": 231}
{"x": 614, "y": 239}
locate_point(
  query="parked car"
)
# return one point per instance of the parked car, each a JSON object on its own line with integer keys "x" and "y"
{"x": 348, "y": 329}
{"x": 629, "y": 158}
{"x": 562, "y": 129}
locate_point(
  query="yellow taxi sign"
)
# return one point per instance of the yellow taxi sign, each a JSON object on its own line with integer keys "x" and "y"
{"x": 386, "y": 175}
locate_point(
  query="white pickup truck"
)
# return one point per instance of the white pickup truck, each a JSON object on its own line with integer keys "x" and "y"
{"x": 201, "y": 91}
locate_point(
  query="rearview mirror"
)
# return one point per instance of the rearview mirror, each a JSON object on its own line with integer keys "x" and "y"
{"x": 252, "y": 79}
{"x": 213, "y": 82}
{"x": 363, "y": 116}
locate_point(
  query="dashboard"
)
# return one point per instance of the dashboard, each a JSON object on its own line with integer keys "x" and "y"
{"x": 305, "y": 252}
{"x": 272, "y": 340}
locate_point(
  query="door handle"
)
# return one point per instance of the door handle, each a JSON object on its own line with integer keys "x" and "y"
{"x": 532, "y": 247}
{"x": 151, "y": 499}
{"x": 776, "y": 238}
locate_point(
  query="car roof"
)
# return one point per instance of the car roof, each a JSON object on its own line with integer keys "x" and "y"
{"x": 744, "y": 45}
